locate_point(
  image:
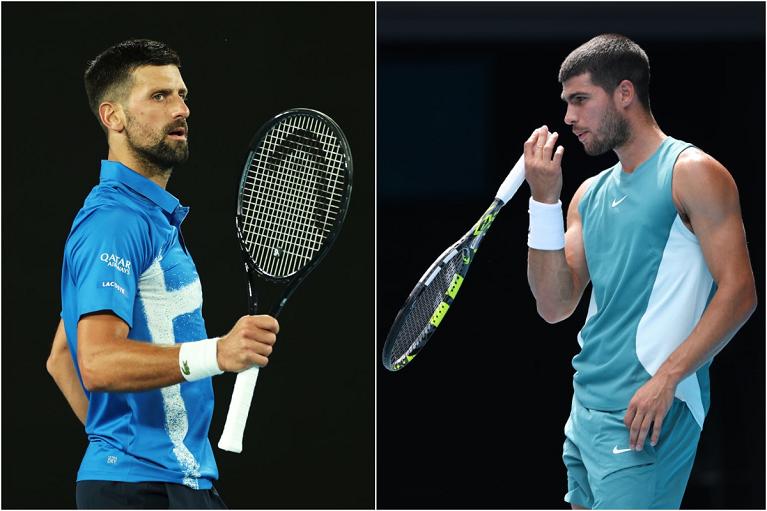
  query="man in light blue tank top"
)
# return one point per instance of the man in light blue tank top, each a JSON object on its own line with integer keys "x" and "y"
{"x": 660, "y": 237}
{"x": 131, "y": 353}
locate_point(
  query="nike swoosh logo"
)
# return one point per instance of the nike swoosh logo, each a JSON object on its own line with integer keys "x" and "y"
{"x": 618, "y": 451}
{"x": 616, "y": 202}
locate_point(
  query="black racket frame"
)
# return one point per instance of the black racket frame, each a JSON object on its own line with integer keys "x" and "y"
{"x": 280, "y": 289}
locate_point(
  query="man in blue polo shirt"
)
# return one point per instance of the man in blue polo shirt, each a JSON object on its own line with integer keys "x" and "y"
{"x": 131, "y": 354}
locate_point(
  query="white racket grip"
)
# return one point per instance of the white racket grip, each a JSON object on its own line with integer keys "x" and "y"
{"x": 242, "y": 395}
{"x": 512, "y": 182}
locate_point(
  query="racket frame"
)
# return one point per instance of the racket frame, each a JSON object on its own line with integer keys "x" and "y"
{"x": 472, "y": 239}
{"x": 465, "y": 248}
{"x": 291, "y": 282}
{"x": 232, "y": 436}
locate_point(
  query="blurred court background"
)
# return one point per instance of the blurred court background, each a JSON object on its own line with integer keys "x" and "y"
{"x": 477, "y": 420}
{"x": 310, "y": 436}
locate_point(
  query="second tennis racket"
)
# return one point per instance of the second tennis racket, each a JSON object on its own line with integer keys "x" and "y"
{"x": 436, "y": 290}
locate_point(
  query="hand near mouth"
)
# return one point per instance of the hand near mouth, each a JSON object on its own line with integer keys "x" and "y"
{"x": 543, "y": 165}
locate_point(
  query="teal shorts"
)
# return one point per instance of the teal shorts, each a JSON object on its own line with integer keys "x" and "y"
{"x": 603, "y": 474}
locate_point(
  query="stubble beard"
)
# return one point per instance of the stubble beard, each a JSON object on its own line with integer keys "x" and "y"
{"x": 614, "y": 131}
{"x": 153, "y": 150}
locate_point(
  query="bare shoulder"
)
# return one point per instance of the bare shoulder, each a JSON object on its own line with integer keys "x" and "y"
{"x": 698, "y": 171}
{"x": 700, "y": 181}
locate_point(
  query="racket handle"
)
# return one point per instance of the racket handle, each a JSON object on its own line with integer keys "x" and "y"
{"x": 512, "y": 182}
{"x": 234, "y": 428}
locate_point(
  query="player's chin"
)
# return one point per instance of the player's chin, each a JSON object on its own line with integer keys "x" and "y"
{"x": 592, "y": 150}
{"x": 177, "y": 153}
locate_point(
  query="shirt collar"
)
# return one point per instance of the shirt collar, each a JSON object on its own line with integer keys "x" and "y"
{"x": 113, "y": 170}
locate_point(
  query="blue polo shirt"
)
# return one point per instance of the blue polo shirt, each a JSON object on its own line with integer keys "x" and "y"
{"x": 125, "y": 255}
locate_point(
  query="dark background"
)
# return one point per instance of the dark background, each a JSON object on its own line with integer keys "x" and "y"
{"x": 477, "y": 420}
{"x": 310, "y": 436}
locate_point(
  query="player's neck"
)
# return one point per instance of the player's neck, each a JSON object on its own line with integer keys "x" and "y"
{"x": 644, "y": 141}
{"x": 140, "y": 165}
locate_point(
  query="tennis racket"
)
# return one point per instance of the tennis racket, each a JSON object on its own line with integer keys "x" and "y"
{"x": 291, "y": 204}
{"x": 436, "y": 290}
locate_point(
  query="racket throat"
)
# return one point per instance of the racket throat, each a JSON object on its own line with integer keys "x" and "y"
{"x": 252, "y": 299}
{"x": 266, "y": 297}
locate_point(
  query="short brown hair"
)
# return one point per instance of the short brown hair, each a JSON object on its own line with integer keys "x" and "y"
{"x": 610, "y": 58}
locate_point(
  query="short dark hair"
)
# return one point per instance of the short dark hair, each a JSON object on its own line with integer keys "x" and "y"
{"x": 610, "y": 58}
{"x": 108, "y": 76}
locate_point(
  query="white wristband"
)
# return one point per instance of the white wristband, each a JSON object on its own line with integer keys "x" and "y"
{"x": 197, "y": 359}
{"x": 547, "y": 227}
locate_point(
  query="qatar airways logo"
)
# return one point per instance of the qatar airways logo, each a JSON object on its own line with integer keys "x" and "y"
{"x": 116, "y": 262}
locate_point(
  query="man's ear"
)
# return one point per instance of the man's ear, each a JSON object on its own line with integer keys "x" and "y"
{"x": 625, "y": 93}
{"x": 112, "y": 116}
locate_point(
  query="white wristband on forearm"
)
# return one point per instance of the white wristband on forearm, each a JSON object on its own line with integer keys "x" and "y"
{"x": 547, "y": 227}
{"x": 197, "y": 359}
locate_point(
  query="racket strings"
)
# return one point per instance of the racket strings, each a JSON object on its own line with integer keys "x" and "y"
{"x": 292, "y": 194}
{"x": 325, "y": 202}
{"x": 414, "y": 328}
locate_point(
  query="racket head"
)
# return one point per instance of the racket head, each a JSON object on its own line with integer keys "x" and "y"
{"x": 426, "y": 306}
{"x": 294, "y": 194}
{"x": 430, "y": 300}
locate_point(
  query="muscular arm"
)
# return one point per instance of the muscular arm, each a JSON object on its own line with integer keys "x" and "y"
{"x": 557, "y": 278}
{"x": 110, "y": 362}
{"x": 707, "y": 198}
{"x": 62, "y": 369}
{"x": 706, "y": 194}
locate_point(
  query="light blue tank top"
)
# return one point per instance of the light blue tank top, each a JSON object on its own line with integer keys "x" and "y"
{"x": 650, "y": 285}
